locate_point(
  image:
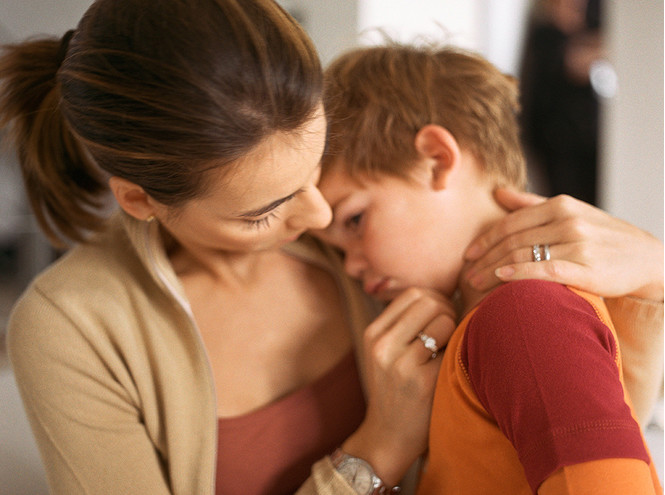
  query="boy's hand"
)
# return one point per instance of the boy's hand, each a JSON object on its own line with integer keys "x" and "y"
{"x": 589, "y": 248}
{"x": 401, "y": 374}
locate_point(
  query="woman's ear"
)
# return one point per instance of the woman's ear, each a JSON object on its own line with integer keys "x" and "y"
{"x": 132, "y": 198}
{"x": 442, "y": 150}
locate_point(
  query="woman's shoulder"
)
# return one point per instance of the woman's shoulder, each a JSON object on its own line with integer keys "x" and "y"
{"x": 105, "y": 259}
{"x": 92, "y": 278}
{"x": 99, "y": 293}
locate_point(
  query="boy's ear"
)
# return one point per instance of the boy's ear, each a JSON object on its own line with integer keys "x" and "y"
{"x": 132, "y": 198}
{"x": 437, "y": 144}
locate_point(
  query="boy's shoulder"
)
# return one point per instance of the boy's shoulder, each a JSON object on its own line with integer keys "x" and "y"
{"x": 531, "y": 296}
{"x": 536, "y": 328}
{"x": 537, "y": 312}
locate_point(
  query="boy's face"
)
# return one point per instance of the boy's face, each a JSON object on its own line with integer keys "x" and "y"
{"x": 396, "y": 234}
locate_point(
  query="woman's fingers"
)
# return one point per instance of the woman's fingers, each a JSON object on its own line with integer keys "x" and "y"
{"x": 513, "y": 200}
{"x": 574, "y": 232}
{"x": 517, "y": 247}
{"x": 542, "y": 215}
{"x": 589, "y": 249}
{"x": 487, "y": 277}
{"x": 561, "y": 238}
{"x": 503, "y": 230}
{"x": 414, "y": 311}
{"x": 433, "y": 338}
{"x": 560, "y": 271}
{"x": 396, "y": 308}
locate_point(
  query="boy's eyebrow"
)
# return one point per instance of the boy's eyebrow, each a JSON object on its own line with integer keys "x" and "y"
{"x": 267, "y": 208}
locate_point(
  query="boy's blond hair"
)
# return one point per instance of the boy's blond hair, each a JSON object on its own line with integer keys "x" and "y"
{"x": 378, "y": 98}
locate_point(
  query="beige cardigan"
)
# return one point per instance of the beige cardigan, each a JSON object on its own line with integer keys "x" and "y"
{"x": 115, "y": 378}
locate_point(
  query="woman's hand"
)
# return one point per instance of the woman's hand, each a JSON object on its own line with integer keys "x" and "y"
{"x": 589, "y": 248}
{"x": 401, "y": 374}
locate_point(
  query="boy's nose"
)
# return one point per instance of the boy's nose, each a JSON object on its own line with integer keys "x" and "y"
{"x": 354, "y": 261}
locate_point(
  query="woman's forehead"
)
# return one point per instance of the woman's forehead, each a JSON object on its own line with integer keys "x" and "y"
{"x": 278, "y": 167}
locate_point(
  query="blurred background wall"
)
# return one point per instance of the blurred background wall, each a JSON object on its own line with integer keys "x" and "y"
{"x": 631, "y": 133}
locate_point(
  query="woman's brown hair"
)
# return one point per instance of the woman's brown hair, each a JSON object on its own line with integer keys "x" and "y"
{"x": 155, "y": 92}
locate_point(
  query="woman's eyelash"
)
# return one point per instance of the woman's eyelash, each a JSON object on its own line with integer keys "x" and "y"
{"x": 261, "y": 223}
{"x": 264, "y": 222}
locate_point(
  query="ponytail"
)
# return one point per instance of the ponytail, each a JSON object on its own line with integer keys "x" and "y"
{"x": 63, "y": 183}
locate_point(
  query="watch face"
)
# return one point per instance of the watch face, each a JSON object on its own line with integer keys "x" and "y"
{"x": 359, "y": 474}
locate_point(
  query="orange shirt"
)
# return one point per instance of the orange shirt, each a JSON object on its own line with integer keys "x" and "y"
{"x": 530, "y": 397}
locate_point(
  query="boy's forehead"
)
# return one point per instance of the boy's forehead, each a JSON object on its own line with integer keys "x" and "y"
{"x": 337, "y": 186}
{"x": 332, "y": 164}
{"x": 335, "y": 182}
{"x": 344, "y": 171}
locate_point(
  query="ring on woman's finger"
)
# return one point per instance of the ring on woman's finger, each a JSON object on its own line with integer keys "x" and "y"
{"x": 429, "y": 343}
{"x": 540, "y": 252}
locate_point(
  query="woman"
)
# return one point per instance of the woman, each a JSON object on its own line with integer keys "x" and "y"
{"x": 191, "y": 344}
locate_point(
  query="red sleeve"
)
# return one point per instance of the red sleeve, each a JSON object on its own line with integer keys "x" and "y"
{"x": 544, "y": 366}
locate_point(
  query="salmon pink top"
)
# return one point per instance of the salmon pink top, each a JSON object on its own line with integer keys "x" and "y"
{"x": 271, "y": 450}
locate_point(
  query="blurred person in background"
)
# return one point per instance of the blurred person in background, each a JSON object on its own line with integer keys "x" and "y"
{"x": 559, "y": 104}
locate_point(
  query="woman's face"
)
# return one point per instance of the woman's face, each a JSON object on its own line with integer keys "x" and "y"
{"x": 265, "y": 200}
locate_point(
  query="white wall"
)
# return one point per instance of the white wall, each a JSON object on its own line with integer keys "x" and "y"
{"x": 332, "y": 25}
{"x": 632, "y": 177}
{"x": 491, "y": 27}
{"x": 450, "y": 20}
{"x": 22, "y": 18}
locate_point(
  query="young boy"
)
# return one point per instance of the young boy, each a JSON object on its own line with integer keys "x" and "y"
{"x": 530, "y": 397}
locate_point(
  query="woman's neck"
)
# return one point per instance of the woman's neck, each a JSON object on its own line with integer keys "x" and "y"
{"x": 234, "y": 270}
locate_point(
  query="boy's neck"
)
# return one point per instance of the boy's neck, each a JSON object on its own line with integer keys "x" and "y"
{"x": 466, "y": 296}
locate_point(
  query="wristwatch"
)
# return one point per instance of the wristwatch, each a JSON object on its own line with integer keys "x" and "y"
{"x": 360, "y": 474}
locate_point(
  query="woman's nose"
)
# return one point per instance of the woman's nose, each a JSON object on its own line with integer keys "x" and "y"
{"x": 315, "y": 212}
